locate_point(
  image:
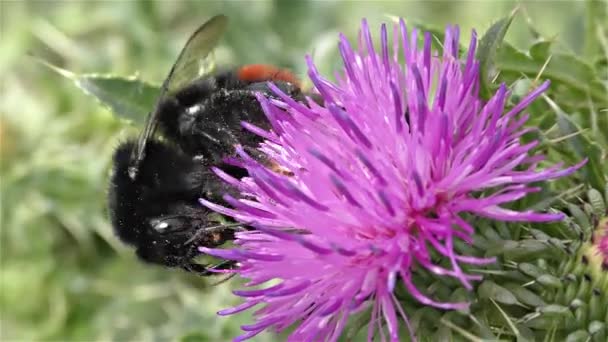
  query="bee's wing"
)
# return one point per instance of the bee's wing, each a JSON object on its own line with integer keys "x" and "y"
{"x": 193, "y": 62}
{"x": 196, "y": 60}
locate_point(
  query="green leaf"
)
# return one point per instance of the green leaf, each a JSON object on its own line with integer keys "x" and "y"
{"x": 193, "y": 337}
{"x": 582, "y": 146}
{"x": 491, "y": 290}
{"x": 437, "y": 33}
{"x": 572, "y": 78}
{"x": 540, "y": 51}
{"x": 549, "y": 199}
{"x": 595, "y": 27}
{"x": 357, "y": 323}
{"x": 425, "y": 314}
{"x": 127, "y": 97}
{"x": 488, "y": 49}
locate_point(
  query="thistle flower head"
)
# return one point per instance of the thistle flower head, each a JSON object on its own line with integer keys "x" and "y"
{"x": 601, "y": 245}
{"x": 364, "y": 189}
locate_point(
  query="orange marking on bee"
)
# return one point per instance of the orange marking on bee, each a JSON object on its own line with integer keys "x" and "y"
{"x": 266, "y": 72}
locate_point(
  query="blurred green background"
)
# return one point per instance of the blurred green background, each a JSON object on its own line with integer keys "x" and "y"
{"x": 64, "y": 276}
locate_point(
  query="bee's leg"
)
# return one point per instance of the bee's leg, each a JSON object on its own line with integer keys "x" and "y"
{"x": 205, "y": 271}
{"x": 224, "y": 280}
{"x": 197, "y": 269}
{"x": 228, "y": 264}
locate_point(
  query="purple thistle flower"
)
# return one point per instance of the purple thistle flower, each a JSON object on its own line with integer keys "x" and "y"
{"x": 371, "y": 183}
{"x": 603, "y": 247}
{"x": 601, "y": 236}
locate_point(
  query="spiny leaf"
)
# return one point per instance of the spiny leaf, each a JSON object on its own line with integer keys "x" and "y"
{"x": 127, "y": 97}
{"x": 488, "y": 49}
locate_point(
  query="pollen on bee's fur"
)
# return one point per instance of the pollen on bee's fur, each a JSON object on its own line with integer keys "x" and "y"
{"x": 280, "y": 169}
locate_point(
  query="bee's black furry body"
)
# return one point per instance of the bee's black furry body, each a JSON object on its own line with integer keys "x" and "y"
{"x": 205, "y": 118}
{"x": 158, "y": 212}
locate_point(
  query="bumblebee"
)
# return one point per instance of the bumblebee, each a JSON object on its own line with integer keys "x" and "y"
{"x": 195, "y": 124}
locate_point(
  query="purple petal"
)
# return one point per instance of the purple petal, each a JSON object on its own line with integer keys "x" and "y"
{"x": 238, "y": 308}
